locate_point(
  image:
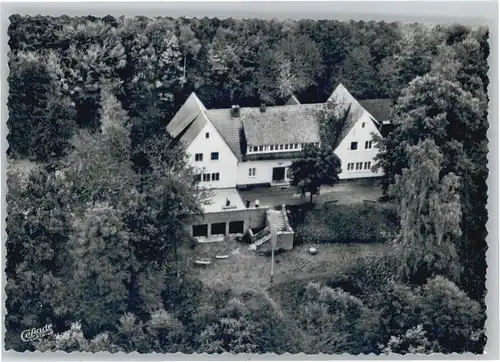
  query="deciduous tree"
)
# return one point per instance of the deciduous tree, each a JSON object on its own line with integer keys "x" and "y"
{"x": 316, "y": 166}
{"x": 429, "y": 208}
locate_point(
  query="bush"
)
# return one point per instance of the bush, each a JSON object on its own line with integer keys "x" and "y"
{"x": 371, "y": 273}
{"x": 360, "y": 223}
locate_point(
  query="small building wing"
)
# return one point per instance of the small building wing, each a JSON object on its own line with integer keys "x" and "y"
{"x": 380, "y": 108}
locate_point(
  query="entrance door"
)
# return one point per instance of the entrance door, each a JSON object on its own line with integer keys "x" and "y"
{"x": 278, "y": 174}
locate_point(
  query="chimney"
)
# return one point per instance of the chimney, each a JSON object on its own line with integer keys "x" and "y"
{"x": 262, "y": 107}
{"x": 235, "y": 111}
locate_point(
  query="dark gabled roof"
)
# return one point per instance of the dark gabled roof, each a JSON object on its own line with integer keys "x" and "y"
{"x": 228, "y": 127}
{"x": 380, "y": 108}
{"x": 282, "y": 124}
{"x": 345, "y": 104}
{"x": 266, "y": 128}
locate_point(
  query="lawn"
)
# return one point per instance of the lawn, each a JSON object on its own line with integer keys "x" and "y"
{"x": 245, "y": 270}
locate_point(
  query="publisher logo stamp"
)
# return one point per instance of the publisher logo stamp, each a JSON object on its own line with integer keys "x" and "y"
{"x": 34, "y": 334}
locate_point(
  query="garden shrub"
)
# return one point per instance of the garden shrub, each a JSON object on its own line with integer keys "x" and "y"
{"x": 370, "y": 273}
{"x": 360, "y": 223}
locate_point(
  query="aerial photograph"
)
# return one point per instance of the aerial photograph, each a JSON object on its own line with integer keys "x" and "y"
{"x": 246, "y": 186}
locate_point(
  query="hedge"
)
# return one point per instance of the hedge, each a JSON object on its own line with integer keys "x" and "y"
{"x": 359, "y": 223}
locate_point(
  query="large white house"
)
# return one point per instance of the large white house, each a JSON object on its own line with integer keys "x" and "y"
{"x": 246, "y": 146}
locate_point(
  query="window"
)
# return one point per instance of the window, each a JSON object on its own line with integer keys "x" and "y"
{"x": 368, "y": 165}
{"x": 286, "y": 147}
{"x": 368, "y": 144}
{"x": 350, "y": 166}
{"x": 236, "y": 227}
{"x": 359, "y": 165}
{"x": 200, "y": 230}
{"x": 295, "y": 146}
{"x": 206, "y": 177}
{"x": 354, "y": 145}
{"x": 281, "y": 147}
{"x": 255, "y": 148}
{"x": 272, "y": 147}
{"x": 251, "y": 172}
{"x": 261, "y": 148}
{"x": 207, "y": 135}
{"x": 214, "y": 156}
{"x": 276, "y": 147}
{"x": 215, "y": 176}
{"x": 363, "y": 125}
{"x": 198, "y": 157}
{"x": 197, "y": 178}
{"x": 218, "y": 228}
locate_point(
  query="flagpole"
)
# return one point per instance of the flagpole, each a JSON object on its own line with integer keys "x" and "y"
{"x": 272, "y": 263}
{"x": 273, "y": 243}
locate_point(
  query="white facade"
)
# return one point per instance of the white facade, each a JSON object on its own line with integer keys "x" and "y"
{"x": 365, "y": 151}
{"x": 261, "y": 171}
{"x": 226, "y": 164}
{"x": 216, "y": 155}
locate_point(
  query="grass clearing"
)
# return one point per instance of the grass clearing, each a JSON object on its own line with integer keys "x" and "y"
{"x": 245, "y": 270}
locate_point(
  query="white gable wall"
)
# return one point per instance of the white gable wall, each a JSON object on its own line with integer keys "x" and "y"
{"x": 226, "y": 165}
{"x": 346, "y": 155}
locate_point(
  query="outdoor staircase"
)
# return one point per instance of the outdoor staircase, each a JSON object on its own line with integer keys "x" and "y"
{"x": 264, "y": 235}
{"x": 281, "y": 222}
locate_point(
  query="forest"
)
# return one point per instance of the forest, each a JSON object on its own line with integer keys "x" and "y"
{"x": 95, "y": 220}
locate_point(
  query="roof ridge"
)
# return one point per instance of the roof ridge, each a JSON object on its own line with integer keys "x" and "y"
{"x": 302, "y": 105}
